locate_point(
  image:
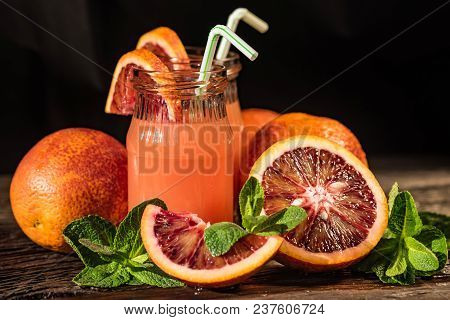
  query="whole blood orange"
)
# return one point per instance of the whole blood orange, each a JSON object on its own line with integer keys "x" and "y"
{"x": 291, "y": 124}
{"x": 258, "y": 117}
{"x": 67, "y": 175}
{"x": 254, "y": 119}
{"x": 174, "y": 242}
{"x": 347, "y": 209}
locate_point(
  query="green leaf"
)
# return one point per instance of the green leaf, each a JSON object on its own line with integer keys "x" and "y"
{"x": 379, "y": 268}
{"x": 434, "y": 239}
{"x": 404, "y": 219}
{"x": 153, "y": 276}
{"x": 281, "y": 222}
{"x": 251, "y": 201}
{"x": 406, "y": 278}
{"x": 128, "y": 238}
{"x": 93, "y": 228}
{"x": 399, "y": 264}
{"x": 134, "y": 282}
{"x": 392, "y": 195}
{"x": 420, "y": 257}
{"x": 141, "y": 259}
{"x": 220, "y": 237}
{"x": 385, "y": 250}
{"x": 388, "y": 234}
{"x": 98, "y": 248}
{"x": 440, "y": 221}
{"x": 103, "y": 276}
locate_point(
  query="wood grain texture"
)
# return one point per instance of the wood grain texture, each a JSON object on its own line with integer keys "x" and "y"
{"x": 28, "y": 271}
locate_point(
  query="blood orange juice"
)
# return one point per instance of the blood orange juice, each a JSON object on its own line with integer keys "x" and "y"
{"x": 233, "y": 66}
{"x": 186, "y": 161}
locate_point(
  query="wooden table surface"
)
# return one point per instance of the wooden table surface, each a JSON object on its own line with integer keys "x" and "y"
{"x": 28, "y": 271}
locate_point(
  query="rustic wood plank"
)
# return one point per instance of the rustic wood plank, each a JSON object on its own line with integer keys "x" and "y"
{"x": 30, "y": 272}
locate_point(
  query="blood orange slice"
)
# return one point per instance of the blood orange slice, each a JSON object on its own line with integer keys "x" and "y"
{"x": 347, "y": 209}
{"x": 174, "y": 242}
{"x": 164, "y": 42}
{"x": 122, "y": 96}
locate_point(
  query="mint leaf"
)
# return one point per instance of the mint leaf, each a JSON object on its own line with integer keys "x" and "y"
{"x": 379, "y": 268}
{"x": 103, "y": 276}
{"x": 408, "y": 248}
{"x": 281, "y": 222}
{"x": 128, "y": 237}
{"x": 98, "y": 248}
{"x": 384, "y": 251}
{"x": 392, "y": 195}
{"x": 220, "y": 237}
{"x": 134, "y": 282}
{"x": 440, "y": 221}
{"x": 399, "y": 264}
{"x": 434, "y": 240}
{"x": 93, "y": 228}
{"x": 388, "y": 234}
{"x": 153, "y": 276}
{"x": 420, "y": 257}
{"x": 251, "y": 201}
{"x": 405, "y": 278}
{"x": 141, "y": 259}
{"x": 404, "y": 219}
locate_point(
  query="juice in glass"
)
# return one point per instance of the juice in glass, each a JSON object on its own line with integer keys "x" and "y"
{"x": 188, "y": 162}
{"x": 233, "y": 67}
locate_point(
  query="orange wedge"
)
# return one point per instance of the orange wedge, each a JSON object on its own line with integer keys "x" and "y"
{"x": 122, "y": 96}
{"x": 163, "y": 42}
{"x": 175, "y": 243}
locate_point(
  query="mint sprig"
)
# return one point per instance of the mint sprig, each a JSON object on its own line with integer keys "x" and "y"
{"x": 440, "y": 221}
{"x": 220, "y": 237}
{"x": 408, "y": 248}
{"x": 115, "y": 256}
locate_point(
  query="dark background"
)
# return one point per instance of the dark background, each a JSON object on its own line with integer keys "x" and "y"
{"x": 395, "y": 101}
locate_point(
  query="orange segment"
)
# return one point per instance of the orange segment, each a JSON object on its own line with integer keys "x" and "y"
{"x": 163, "y": 42}
{"x": 174, "y": 242}
{"x": 122, "y": 96}
{"x": 347, "y": 209}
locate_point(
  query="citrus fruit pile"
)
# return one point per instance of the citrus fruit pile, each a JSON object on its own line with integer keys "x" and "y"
{"x": 312, "y": 162}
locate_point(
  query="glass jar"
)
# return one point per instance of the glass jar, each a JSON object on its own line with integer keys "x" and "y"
{"x": 233, "y": 67}
{"x": 180, "y": 142}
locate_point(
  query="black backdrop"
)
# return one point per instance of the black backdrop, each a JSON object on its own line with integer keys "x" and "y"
{"x": 394, "y": 100}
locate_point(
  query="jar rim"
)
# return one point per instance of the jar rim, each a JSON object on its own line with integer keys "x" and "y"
{"x": 195, "y": 54}
{"x": 181, "y": 81}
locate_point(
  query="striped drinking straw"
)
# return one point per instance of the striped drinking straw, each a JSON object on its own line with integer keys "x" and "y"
{"x": 232, "y": 23}
{"x": 211, "y": 45}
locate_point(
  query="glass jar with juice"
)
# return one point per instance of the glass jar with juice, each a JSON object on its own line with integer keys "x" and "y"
{"x": 180, "y": 142}
{"x": 233, "y": 67}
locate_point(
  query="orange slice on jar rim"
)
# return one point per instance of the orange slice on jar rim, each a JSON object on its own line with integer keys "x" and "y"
{"x": 122, "y": 95}
{"x": 165, "y": 43}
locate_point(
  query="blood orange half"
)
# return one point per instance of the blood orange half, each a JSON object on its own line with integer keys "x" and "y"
{"x": 347, "y": 208}
{"x": 122, "y": 96}
{"x": 164, "y": 42}
{"x": 174, "y": 242}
